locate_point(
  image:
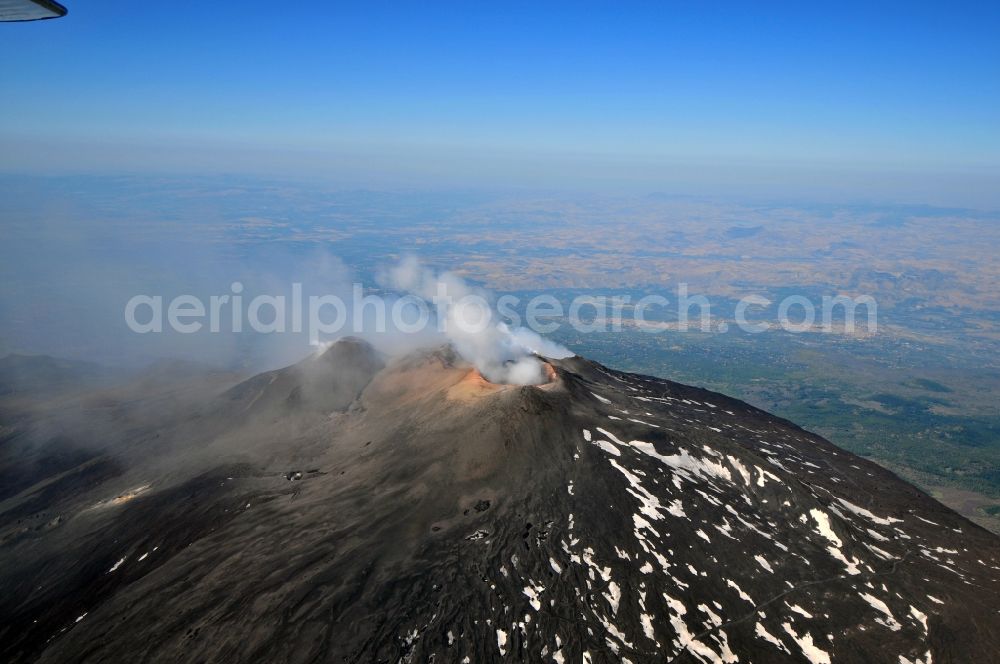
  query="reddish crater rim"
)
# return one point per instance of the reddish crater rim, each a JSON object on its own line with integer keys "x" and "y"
{"x": 548, "y": 370}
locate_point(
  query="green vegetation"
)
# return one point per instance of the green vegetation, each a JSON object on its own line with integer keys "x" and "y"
{"x": 932, "y": 385}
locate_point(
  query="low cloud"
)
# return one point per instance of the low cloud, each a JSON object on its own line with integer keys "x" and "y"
{"x": 501, "y": 353}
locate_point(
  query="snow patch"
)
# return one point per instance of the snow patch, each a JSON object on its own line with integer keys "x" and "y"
{"x": 770, "y": 638}
{"x": 883, "y": 608}
{"x": 809, "y": 649}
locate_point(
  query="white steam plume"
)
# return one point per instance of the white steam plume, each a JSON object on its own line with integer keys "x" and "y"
{"x": 501, "y": 354}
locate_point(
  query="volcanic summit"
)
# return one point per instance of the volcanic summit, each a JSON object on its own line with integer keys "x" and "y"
{"x": 357, "y": 508}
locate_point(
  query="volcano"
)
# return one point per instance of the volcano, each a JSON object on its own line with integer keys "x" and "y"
{"x": 357, "y": 508}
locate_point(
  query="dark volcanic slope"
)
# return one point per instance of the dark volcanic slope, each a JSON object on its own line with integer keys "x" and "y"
{"x": 345, "y": 512}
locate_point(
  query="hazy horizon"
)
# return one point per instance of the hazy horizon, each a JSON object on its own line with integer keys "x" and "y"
{"x": 891, "y": 104}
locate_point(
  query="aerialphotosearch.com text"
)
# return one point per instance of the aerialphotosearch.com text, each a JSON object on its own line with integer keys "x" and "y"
{"x": 328, "y": 315}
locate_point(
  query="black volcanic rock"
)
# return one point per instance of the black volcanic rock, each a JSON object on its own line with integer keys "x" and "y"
{"x": 603, "y": 517}
{"x": 327, "y": 381}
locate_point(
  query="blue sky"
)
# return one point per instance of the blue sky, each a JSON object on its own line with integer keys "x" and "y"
{"x": 578, "y": 91}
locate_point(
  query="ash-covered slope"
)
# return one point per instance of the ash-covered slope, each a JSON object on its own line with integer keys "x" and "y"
{"x": 433, "y": 516}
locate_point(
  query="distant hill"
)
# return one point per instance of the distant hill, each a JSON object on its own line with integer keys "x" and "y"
{"x": 37, "y": 373}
